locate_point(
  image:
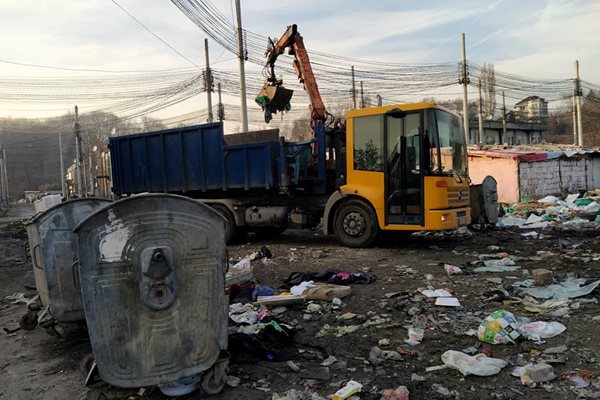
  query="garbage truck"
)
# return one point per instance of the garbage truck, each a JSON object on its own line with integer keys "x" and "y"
{"x": 389, "y": 168}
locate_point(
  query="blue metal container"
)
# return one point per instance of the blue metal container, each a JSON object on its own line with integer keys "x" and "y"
{"x": 191, "y": 159}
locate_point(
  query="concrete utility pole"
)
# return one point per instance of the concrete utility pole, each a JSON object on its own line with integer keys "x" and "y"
{"x": 362, "y": 95}
{"x": 379, "y": 100}
{"x": 575, "y": 139}
{"x": 465, "y": 82}
{"x": 5, "y": 176}
{"x": 480, "y": 114}
{"x": 503, "y": 117}
{"x": 220, "y": 109}
{"x": 208, "y": 83}
{"x": 353, "y": 90}
{"x": 240, "y": 38}
{"x": 3, "y": 185}
{"x": 79, "y": 149}
{"x": 578, "y": 103}
{"x": 62, "y": 166}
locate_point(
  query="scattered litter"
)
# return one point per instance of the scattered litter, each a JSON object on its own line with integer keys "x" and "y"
{"x": 452, "y": 270}
{"x": 530, "y": 234}
{"x": 294, "y": 394}
{"x": 541, "y": 330}
{"x": 501, "y": 265}
{"x": 480, "y": 365}
{"x": 243, "y": 264}
{"x": 378, "y": 356}
{"x": 439, "y": 389}
{"x": 436, "y": 293}
{"x": 329, "y": 361}
{"x": 243, "y": 313}
{"x": 581, "y": 378}
{"x": 417, "y": 378}
{"x": 568, "y": 289}
{"x": 447, "y": 302}
{"x": 383, "y": 342}
{"x": 500, "y": 327}
{"x": 233, "y": 381}
{"x": 350, "y": 389}
{"x": 532, "y": 374}
{"x": 299, "y": 289}
{"x": 400, "y": 393}
{"x": 542, "y": 276}
{"x": 556, "y": 350}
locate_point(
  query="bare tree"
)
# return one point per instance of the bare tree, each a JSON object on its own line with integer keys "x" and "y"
{"x": 488, "y": 87}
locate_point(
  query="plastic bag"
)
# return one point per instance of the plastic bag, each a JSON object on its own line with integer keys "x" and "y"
{"x": 500, "y": 327}
{"x": 479, "y": 365}
{"x": 541, "y": 329}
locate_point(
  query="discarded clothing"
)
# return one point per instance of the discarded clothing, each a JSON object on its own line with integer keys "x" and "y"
{"x": 334, "y": 276}
{"x": 275, "y": 342}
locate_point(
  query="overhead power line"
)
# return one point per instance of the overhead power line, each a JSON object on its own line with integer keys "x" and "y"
{"x": 154, "y": 34}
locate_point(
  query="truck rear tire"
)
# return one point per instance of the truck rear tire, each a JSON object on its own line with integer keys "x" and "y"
{"x": 355, "y": 224}
{"x": 232, "y": 231}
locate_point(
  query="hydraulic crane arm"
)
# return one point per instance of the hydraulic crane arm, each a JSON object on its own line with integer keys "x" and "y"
{"x": 291, "y": 39}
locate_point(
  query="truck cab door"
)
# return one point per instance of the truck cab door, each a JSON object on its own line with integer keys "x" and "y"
{"x": 402, "y": 168}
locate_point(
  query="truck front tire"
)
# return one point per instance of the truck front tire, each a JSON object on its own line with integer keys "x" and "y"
{"x": 355, "y": 224}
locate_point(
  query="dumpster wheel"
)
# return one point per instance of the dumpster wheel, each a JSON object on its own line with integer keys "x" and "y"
{"x": 213, "y": 380}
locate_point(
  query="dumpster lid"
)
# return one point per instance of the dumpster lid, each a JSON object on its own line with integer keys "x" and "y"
{"x": 147, "y": 195}
{"x": 67, "y": 203}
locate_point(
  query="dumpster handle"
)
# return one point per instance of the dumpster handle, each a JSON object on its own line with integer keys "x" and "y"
{"x": 34, "y": 259}
{"x": 75, "y": 271}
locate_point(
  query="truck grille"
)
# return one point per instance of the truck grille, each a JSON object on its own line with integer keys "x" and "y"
{"x": 458, "y": 197}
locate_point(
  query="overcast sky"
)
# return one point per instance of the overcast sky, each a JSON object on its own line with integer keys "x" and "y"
{"x": 539, "y": 38}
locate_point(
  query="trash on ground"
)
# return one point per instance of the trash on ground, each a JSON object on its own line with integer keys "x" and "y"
{"x": 180, "y": 387}
{"x": 500, "y": 327}
{"x": 400, "y": 393}
{"x": 300, "y": 288}
{"x": 294, "y": 394}
{"x": 542, "y": 276}
{"x": 350, "y": 389}
{"x": 541, "y": 330}
{"x": 447, "y": 302}
{"x": 280, "y": 300}
{"x": 567, "y": 289}
{"x": 452, "y": 270}
{"x": 378, "y": 357}
{"x": 480, "y": 365}
{"x": 532, "y": 374}
{"x": 581, "y": 378}
{"x": 436, "y": 293}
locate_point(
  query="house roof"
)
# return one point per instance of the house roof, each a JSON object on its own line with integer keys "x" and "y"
{"x": 530, "y": 98}
{"x": 530, "y": 155}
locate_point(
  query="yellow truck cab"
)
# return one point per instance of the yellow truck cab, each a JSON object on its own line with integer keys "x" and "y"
{"x": 406, "y": 170}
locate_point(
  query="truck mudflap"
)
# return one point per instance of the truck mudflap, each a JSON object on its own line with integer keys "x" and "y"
{"x": 331, "y": 202}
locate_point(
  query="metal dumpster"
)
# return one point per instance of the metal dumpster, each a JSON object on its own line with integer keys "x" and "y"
{"x": 54, "y": 254}
{"x": 152, "y": 271}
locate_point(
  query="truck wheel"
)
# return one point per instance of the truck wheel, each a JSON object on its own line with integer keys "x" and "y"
{"x": 232, "y": 232}
{"x": 355, "y": 224}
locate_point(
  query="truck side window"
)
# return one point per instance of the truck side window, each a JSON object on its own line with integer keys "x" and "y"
{"x": 368, "y": 143}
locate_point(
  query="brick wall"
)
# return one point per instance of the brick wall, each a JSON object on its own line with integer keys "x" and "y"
{"x": 553, "y": 177}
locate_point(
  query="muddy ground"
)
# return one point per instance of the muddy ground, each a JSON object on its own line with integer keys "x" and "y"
{"x": 35, "y": 365}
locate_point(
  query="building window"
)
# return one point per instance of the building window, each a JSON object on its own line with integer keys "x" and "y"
{"x": 368, "y": 143}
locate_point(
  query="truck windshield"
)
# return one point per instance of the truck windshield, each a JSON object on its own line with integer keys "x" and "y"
{"x": 451, "y": 157}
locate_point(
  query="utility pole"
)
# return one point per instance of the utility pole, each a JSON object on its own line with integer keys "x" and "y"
{"x": 353, "y": 90}
{"x": 578, "y": 103}
{"x": 480, "y": 114}
{"x": 220, "y": 109}
{"x": 5, "y": 176}
{"x": 575, "y": 139}
{"x": 79, "y": 149}
{"x": 208, "y": 82}
{"x": 62, "y": 165}
{"x": 503, "y": 118}
{"x": 379, "y": 100}
{"x": 241, "y": 57}
{"x": 3, "y": 186}
{"x": 465, "y": 82}
{"x": 362, "y": 95}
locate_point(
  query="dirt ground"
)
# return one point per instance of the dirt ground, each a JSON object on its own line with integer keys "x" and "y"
{"x": 35, "y": 365}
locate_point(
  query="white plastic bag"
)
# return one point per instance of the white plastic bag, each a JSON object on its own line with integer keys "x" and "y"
{"x": 479, "y": 365}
